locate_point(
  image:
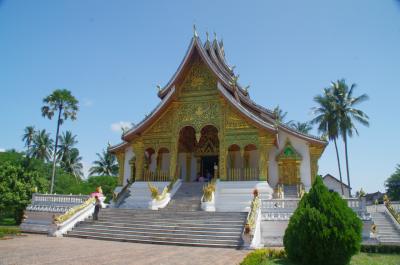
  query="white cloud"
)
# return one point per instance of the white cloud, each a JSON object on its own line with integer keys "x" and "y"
{"x": 2, "y": 150}
{"x": 87, "y": 102}
{"x": 117, "y": 126}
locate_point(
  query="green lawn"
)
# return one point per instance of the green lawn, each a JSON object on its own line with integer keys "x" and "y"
{"x": 8, "y": 227}
{"x": 360, "y": 259}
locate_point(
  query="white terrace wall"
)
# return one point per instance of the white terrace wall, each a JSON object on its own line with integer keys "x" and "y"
{"x": 301, "y": 147}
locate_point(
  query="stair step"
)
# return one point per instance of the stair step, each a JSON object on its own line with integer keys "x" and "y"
{"x": 164, "y": 242}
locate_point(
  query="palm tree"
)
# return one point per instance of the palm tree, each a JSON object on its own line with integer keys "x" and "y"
{"x": 106, "y": 165}
{"x": 66, "y": 104}
{"x": 279, "y": 114}
{"x": 41, "y": 147}
{"x": 347, "y": 113}
{"x": 303, "y": 127}
{"x": 67, "y": 143}
{"x": 72, "y": 163}
{"x": 327, "y": 121}
{"x": 29, "y": 134}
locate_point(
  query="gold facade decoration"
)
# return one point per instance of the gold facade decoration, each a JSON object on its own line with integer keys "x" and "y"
{"x": 199, "y": 114}
{"x": 199, "y": 78}
{"x": 315, "y": 154}
{"x": 233, "y": 121}
{"x": 289, "y": 165}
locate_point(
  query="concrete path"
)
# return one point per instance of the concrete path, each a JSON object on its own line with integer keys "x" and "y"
{"x": 40, "y": 249}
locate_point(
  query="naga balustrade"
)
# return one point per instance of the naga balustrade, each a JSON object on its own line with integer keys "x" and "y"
{"x": 158, "y": 175}
{"x": 243, "y": 174}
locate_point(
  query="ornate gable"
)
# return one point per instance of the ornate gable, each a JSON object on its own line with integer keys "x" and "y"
{"x": 289, "y": 153}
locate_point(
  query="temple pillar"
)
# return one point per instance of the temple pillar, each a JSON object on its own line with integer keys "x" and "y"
{"x": 188, "y": 166}
{"x": 266, "y": 144}
{"x": 223, "y": 152}
{"x": 121, "y": 164}
{"x": 174, "y": 157}
{"x": 138, "y": 149}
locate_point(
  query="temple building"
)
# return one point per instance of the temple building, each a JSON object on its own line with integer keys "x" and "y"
{"x": 207, "y": 125}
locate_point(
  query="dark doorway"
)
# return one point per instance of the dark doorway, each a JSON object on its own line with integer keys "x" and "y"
{"x": 207, "y": 166}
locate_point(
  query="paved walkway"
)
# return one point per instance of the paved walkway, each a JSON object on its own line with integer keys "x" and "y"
{"x": 40, "y": 249}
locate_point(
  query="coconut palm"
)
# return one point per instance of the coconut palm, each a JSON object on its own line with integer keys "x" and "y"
{"x": 303, "y": 127}
{"x": 66, "y": 104}
{"x": 42, "y": 146}
{"x": 279, "y": 114}
{"x": 67, "y": 143}
{"x": 347, "y": 113}
{"x": 29, "y": 134}
{"x": 106, "y": 165}
{"x": 328, "y": 122}
{"x": 72, "y": 163}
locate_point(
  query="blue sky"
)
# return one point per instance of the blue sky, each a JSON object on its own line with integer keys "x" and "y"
{"x": 112, "y": 54}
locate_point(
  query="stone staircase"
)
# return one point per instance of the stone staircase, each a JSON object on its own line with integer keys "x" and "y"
{"x": 189, "y": 228}
{"x": 187, "y": 198}
{"x": 290, "y": 191}
{"x": 139, "y": 195}
{"x": 387, "y": 232}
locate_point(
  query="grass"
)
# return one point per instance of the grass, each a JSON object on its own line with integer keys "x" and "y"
{"x": 359, "y": 259}
{"x": 8, "y": 227}
{"x": 9, "y": 230}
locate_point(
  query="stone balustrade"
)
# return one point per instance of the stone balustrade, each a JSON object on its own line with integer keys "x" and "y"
{"x": 58, "y": 199}
{"x": 283, "y": 209}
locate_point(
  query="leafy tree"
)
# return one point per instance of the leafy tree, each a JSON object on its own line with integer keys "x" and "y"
{"x": 42, "y": 146}
{"x": 16, "y": 188}
{"x": 347, "y": 112}
{"x": 303, "y": 127}
{"x": 323, "y": 229}
{"x": 71, "y": 163}
{"x": 66, "y": 104}
{"x": 328, "y": 122}
{"x": 107, "y": 183}
{"x": 393, "y": 185}
{"x": 29, "y": 134}
{"x": 106, "y": 165}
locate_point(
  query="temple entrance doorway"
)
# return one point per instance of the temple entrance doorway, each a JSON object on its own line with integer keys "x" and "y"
{"x": 197, "y": 153}
{"x": 209, "y": 164}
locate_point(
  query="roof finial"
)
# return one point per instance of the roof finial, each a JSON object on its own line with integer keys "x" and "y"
{"x": 215, "y": 35}
{"x": 194, "y": 30}
{"x": 207, "y": 36}
{"x": 159, "y": 88}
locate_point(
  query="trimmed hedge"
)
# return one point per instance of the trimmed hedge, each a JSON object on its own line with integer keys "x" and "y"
{"x": 389, "y": 249}
{"x": 323, "y": 229}
{"x": 263, "y": 256}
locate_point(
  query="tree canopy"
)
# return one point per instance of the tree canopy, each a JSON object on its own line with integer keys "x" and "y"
{"x": 393, "y": 185}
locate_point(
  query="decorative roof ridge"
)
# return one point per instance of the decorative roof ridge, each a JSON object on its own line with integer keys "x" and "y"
{"x": 214, "y": 57}
{"x": 150, "y": 115}
{"x": 244, "y": 110}
{"x": 117, "y": 146}
{"x": 288, "y": 127}
{"x": 221, "y": 57}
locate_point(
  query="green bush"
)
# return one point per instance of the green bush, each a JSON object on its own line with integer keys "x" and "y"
{"x": 263, "y": 256}
{"x": 323, "y": 229}
{"x": 390, "y": 249}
